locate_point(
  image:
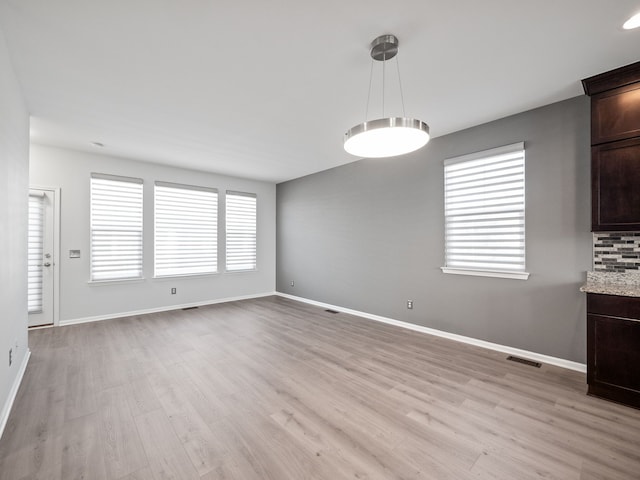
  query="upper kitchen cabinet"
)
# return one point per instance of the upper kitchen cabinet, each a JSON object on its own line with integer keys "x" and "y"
{"x": 615, "y": 152}
{"x": 615, "y": 186}
{"x": 615, "y": 115}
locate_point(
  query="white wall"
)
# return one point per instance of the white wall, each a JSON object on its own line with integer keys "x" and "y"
{"x": 14, "y": 175}
{"x": 70, "y": 171}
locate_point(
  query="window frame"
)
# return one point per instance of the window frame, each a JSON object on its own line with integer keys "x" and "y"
{"x": 520, "y": 273}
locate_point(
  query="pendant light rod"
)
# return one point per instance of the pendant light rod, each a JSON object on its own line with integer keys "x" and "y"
{"x": 400, "y": 85}
{"x": 384, "y": 48}
{"x": 384, "y": 63}
{"x": 366, "y": 110}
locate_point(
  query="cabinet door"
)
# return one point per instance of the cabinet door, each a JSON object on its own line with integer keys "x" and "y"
{"x": 615, "y": 186}
{"x": 615, "y": 115}
{"x": 613, "y": 357}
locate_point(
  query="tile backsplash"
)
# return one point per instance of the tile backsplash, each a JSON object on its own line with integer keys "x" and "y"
{"x": 616, "y": 251}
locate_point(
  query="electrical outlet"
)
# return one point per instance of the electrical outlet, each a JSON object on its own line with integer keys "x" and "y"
{"x": 410, "y": 304}
{"x": 173, "y": 291}
{"x": 10, "y": 356}
{"x": 293, "y": 283}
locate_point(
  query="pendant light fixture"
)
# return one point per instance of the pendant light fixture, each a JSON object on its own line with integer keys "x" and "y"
{"x": 390, "y": 136}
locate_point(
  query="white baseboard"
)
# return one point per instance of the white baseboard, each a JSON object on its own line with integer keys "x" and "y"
{"x": 559, "y": 362}
{"x": 8, "y": 405}
{"x": 167, "y": 308}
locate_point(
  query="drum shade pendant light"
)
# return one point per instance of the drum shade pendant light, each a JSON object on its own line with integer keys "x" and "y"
{"x": 390, "y": 136}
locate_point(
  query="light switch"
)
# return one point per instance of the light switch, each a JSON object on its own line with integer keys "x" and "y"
{"x": 74, "y": 253}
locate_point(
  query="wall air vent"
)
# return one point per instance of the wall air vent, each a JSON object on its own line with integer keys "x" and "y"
{"x": 531, "y": 363}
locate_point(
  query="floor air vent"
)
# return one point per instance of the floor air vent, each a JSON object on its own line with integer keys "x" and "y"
{"x": 189, "y": 308}
{"x": 331, "y": 311}
{"x": 531, "y": 363}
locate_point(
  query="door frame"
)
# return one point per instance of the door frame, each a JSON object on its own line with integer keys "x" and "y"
{"x": 56, "y": 252}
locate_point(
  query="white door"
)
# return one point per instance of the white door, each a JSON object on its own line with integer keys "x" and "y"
{"x": 41, "y": 261}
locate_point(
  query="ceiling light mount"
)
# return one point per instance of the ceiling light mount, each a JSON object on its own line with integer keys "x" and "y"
{"x": 388, "y": 136}
{"x": 385, "y": 47}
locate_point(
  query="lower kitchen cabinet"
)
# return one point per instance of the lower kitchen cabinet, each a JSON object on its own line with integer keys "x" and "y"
{"x": 613, "y": 348}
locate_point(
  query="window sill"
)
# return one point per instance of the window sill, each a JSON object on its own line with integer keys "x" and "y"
{"x": 185, "y": 275}
{"x": 486, "y": 273}
{"x": 117, "y": 281}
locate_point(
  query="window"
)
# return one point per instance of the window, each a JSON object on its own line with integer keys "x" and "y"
{"x": 35, "y": 253}
{"x": 186, "y": 230}
{"x": 116, "y": 228}
{"x": 241, "y": 231}
{"x": 484, "y": 213}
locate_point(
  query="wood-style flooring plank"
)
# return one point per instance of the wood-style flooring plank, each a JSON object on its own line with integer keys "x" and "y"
{"x": 167, "y": 457}
{"x": 123, "y": 451}
{"x": 205, "y": 449}
{"x": 82, "y": 453}
{"x": 141, "y": 396}
{"x": 142, "y": 474}
{"x": 80, "y": 389}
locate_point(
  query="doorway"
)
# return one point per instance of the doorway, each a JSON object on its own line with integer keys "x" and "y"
{"x": 42, "y": 257}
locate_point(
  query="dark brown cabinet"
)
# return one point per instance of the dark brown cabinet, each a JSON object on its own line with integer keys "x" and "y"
{"x": 613, "y": 348}
{"x": 615, "y": 154}
{"x": 615, "y": 114}
{"x": 615, "y": 177}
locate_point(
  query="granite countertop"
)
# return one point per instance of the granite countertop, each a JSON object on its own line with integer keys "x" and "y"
{"x": 607, "y": 283}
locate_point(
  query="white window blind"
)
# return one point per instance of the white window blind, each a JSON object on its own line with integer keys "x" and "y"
{"x": 186, "y": 230}
{"x": 484, "y": 213}
{"x": 116, "y": 228}
{"x": 35, "y": 253}
{"x": 241, "y": 231}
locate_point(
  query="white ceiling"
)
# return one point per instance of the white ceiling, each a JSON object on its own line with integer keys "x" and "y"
{"x": 266, "y": 89}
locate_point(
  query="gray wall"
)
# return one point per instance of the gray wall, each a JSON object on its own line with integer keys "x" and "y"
{"x": 369, "y": 235}
{"x": 14, "y": 177}
{"x": 71, "y": 170}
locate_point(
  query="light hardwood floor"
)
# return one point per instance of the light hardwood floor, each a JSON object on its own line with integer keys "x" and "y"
{"x": 274, "y": 389}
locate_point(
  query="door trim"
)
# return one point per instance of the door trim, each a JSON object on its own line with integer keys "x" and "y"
{"x": 56, "y": 251}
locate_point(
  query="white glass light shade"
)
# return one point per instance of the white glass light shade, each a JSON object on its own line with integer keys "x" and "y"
{"x": 633, "y": 22}
{"x": 386, "y": 137}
